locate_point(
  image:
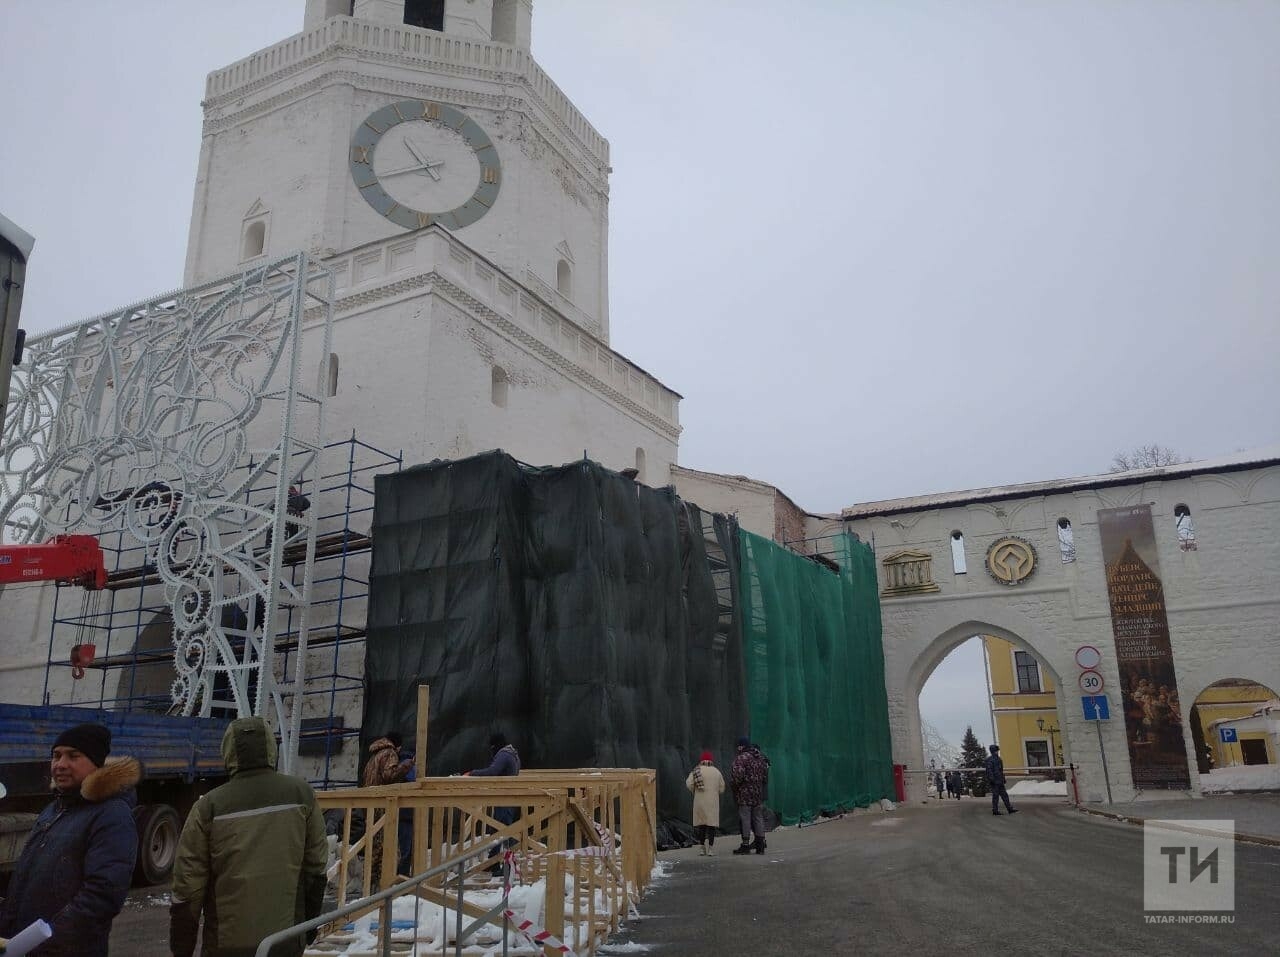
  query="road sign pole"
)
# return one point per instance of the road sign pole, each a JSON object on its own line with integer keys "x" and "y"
{"x": 1106, "y": 776}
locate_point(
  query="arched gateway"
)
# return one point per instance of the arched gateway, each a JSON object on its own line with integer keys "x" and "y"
{"x": 911, "y": 667}
{"x": 1169, "y": 611}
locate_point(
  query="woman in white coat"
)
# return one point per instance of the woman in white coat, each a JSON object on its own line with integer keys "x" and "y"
{"x": 707, "y": 784}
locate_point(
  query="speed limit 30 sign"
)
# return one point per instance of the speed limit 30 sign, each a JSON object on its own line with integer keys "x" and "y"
{"x": 1090, "y": 682}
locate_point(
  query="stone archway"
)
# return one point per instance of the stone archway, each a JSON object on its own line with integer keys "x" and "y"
{"x": 908, "y": 746}
{"x": 1235, "y": 733}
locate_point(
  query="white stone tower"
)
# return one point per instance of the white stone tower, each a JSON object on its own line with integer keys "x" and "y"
{"x": 276, "y": 172}
{"x": 462, "y": 201}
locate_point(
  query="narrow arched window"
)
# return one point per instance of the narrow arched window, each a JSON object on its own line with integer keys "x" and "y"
{"x": 1186, "y": 528}
{"x": 333, "y": 373}
{"x": 255, "y": 239}
{"x": 639, "y": 464}
{"x": 1066, "y": 541}
{"x": 957, "y": 552}
{"x": 498, "y": 387}
{"x": 564, "y": 279}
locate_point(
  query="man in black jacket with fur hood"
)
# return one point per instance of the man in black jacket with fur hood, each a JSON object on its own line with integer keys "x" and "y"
{"x": 77, "y": 865}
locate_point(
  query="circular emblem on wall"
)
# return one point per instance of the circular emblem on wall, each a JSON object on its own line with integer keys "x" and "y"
{"x": 1011, "y": 560}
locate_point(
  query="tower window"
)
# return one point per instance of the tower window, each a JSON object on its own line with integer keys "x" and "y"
{"x": 255, "y": 239}
{"x": 957, "y": 553}
{"x": 428, "y": 14}
{"x": 639, "y": 464}
{"x": 564, "y": 279}
{"x": 1066, "y": 541}
{"x": 333, "y": 373}
{"x": 1186, "y": 528}
{"x": 498, "y": 387}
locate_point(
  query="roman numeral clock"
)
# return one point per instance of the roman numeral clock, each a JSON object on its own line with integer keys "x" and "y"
{"x": 417, "y": 162}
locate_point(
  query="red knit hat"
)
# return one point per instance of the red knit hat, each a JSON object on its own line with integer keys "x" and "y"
{"x": 706, "y": 756}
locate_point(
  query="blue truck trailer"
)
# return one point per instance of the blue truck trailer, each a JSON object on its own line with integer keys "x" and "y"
{"x": 181, "y": 759}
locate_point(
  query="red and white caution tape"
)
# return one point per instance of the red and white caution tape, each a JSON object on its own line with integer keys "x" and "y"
{"x": 538, "y": 936}
{"x": 527, "y": 928}
{"x": 605, "y": 848}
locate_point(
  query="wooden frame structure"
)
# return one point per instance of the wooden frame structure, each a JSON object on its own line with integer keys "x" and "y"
{"x": 589, "y": 833}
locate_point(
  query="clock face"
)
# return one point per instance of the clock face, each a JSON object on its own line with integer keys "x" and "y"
{"x": 417, "y": 162}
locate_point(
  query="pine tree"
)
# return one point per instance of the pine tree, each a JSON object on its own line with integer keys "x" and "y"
{"x": 973, "y": 755}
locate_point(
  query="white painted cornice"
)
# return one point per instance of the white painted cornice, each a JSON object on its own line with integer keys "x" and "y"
{"x": 423, "y": 50}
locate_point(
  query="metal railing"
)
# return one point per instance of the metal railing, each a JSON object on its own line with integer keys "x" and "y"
{"x": 384, "y": 898}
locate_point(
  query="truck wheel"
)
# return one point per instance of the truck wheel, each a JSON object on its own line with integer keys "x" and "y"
{"x": 158, "y": 830}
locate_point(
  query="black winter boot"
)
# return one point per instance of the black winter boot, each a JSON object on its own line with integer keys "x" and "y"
{"x": 744, "y": 849}
{"x": 759, "y": 845}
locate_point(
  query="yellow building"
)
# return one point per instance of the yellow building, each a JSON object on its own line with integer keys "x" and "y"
{"x": 1247, "y": 712}
{"x": 1023, "y": 707}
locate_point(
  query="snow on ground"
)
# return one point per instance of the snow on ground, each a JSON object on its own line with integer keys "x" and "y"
{"x": 1039, "y": 788}
{"x": 1254, "y": 777}
{"x": 626, "y": 947}
{"x": 150, "y": 900}
{"x": 422, "y": 928}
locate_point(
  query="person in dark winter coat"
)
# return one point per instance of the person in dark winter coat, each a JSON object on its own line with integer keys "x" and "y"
{"x": 504, "y": 762}
{"x": 78, "y": 862}
{"x": 954, "y": 784}
{"x": 750, "y": 779}
{"x": 995, "y": 777}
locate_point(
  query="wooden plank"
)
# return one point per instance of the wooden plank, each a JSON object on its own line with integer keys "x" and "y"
{"x": 424, "y": 701}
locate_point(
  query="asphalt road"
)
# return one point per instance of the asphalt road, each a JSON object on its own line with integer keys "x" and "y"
{"x": 944, "y": 878}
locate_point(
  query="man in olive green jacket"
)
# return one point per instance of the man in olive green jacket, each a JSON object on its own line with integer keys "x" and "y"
{"x": 252, "y": 855}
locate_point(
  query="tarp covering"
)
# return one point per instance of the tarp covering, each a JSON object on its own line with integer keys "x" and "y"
{"x": 597, "y": 622}
{"x": 570, "y": 608}
{"x": 815, "y": 675}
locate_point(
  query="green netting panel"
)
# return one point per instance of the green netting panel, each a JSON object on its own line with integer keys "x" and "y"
{"x": 815, "y": 676}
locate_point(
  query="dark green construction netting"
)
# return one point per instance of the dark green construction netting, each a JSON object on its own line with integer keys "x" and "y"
{"x": 593, "y": 621}
{"x": 815, "y": 676}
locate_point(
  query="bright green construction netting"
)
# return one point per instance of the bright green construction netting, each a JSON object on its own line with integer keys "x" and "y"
{"x": 815, "y": 676}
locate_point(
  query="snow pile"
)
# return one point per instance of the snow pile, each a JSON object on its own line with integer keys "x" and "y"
{"x": 1252, "y": 777}
{"x": 419, "y": 928}
{"x": 1039, "y": 788}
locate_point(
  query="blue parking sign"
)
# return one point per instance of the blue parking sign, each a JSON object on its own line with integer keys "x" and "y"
{"x": 1228, "y": 735}
{"x": 1095, "y": 707}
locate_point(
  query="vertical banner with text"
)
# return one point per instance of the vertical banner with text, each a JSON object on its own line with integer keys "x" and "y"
{"x": 1148, "y": 686}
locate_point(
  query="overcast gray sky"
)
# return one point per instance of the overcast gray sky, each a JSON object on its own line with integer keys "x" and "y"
{"x": 955, "y": 696}
{"x": 881, "y": 248}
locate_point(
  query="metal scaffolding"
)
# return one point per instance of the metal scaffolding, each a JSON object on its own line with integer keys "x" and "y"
{"x": 133, "y": 427}
{"x": 129, "y": 624}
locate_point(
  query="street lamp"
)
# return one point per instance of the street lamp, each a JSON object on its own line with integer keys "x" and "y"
{"x": 1053, "y": 731}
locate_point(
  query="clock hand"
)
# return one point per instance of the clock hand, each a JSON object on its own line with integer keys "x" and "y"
{"x": 427, "y": 165}
{"x": 404, "y": 169}
{"x": 416, "y": 155}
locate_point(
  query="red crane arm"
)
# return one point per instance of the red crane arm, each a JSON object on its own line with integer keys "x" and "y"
{"x": 68, "y": 559}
